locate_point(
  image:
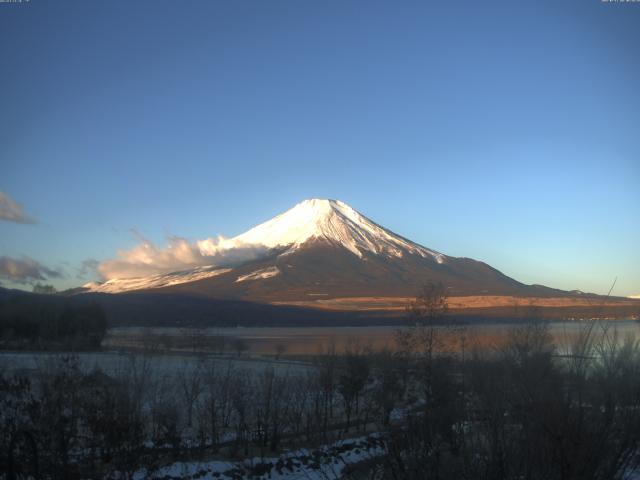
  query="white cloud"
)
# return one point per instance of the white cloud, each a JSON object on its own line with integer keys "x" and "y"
{"x": 179, "y": 254}
{"x": 12, "y": 211}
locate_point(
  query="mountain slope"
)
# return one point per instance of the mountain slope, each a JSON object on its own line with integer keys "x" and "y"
{"x": 325, "y": 249}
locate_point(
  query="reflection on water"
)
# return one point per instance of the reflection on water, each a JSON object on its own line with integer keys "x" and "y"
{"x": 314, "y": 340}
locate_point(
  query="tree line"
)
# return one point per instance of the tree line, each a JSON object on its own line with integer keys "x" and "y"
{"x": 46, "y": 322}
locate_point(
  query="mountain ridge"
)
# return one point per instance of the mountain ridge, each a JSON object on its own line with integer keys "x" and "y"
{"x": 323, "y": 248}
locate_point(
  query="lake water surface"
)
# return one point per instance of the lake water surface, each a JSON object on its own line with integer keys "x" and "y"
{"x": 314, "y": 340}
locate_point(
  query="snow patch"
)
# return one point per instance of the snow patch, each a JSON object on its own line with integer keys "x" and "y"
{"x": 327, "y": 461}
{"x": 259, "y": 274}
{"x": 119, "y": 285}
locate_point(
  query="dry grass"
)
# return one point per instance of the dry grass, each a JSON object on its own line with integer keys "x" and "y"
{"x": 458, "y": 303}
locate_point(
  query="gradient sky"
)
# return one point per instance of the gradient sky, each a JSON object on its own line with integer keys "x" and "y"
{"x": 505, "y": 131}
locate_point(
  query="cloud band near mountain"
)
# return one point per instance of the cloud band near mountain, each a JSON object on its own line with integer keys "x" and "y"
{"x": 179, "y": 254}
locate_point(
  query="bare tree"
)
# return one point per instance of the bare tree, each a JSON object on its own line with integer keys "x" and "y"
{"x": 191, "y": 386}
{"x": 327, "y": 382}
{"x": 352, "y": 380}
{"x": 280, "y": 350}
{"x": 425, "y": 314}
{"x": 427, "y": 332}
{"x": 239, "y": 345}
{"x": 389, "y": 386}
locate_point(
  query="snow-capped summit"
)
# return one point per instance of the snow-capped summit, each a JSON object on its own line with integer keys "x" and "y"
{"x": 335, "y": 221}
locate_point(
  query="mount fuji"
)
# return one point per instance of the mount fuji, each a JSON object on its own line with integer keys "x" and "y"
{"x": 321, "y": 250}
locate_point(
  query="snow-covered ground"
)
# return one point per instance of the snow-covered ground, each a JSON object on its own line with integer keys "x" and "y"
{"x": 326, "y": 462}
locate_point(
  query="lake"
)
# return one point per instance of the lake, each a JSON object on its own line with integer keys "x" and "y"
{"x": 314, "y": 340}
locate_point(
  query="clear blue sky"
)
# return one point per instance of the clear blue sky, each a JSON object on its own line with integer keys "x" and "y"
{"x": 506, "y": 131}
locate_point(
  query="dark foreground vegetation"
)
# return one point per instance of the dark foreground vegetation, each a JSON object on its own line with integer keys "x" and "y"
{"x": 523, "y": 412}
{"x": 530, "y": 410}
{"x": 45, "y": 322}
